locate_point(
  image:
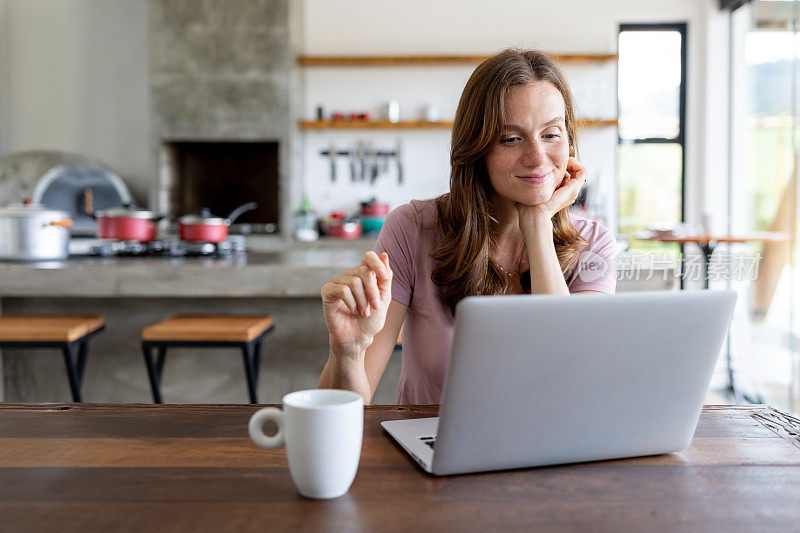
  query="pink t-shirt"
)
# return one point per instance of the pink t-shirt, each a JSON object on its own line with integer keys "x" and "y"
{"x": 408, "y": 237}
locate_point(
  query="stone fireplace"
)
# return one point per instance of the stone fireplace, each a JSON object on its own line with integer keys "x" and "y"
{"x": 222, "y": 176}
{"x": 224, "y": 88}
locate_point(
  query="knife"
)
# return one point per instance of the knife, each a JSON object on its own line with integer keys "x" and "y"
{"x": 399, "y": 156}
{"x": 353, "y": 164}
{"x": 332, "y": 155}
{"x": 362, "y": 158}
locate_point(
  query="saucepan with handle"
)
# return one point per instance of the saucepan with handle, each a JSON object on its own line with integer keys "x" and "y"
{"x": 127, "y": 223}
{"x": 205, "y": 227}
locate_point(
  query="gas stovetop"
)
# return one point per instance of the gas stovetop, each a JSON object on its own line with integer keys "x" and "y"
{"x": 232, "y": 246}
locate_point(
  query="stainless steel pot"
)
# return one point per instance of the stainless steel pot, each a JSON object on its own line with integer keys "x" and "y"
{"x": 33, "y": 233}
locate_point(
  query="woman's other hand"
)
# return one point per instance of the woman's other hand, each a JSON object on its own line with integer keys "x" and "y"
{"x": 564, "y": 196}
{"x": 355, "y": 304}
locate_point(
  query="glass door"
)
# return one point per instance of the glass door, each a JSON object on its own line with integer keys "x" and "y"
{"x": 763, "y": 196}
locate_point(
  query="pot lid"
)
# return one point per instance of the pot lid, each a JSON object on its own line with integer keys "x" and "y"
{"x": 122, "y": 211}
{"x": 203, "y": 216}
{"x": 81, "y": 191}
{"x": 30, "y": 210}
{"x": 197, "y": 219}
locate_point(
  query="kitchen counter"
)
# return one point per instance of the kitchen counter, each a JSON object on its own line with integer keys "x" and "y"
{"x": 273, "y": 268}
{"x": 290, "y": 273}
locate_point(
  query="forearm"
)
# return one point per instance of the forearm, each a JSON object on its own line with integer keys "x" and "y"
{"x": 546, "y": 275}
{"x": 346, "y": 371}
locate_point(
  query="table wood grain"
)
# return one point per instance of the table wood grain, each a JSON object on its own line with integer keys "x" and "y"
{"x": 155, "y": 468}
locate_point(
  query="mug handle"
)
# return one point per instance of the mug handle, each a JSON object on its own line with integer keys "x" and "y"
{"x": 256, "y": 428}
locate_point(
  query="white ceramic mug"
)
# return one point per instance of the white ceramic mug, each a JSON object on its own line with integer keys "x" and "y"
{"x": 322, "y": 430}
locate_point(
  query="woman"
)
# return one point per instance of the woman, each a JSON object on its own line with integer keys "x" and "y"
{"x": 504, "y": 228}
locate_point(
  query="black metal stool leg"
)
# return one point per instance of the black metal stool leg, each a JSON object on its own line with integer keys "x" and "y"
{"x": 152, "y": 374}
{"x": 257, "y": 357}
{"x": 72, "y": 373}
{"x": 252, "y": 377}
{"x": 83, "y": 348}
{"x": 162, "y": 356}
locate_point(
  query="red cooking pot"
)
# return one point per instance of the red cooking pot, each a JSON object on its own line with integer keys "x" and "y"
{"x": 374, "y": 208}
{"x": 127, "y": 223}
{"x": 204, "y": 227}
{"x": 338, "y": 225}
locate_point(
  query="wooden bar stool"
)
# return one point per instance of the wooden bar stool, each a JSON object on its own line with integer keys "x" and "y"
{"x": 64, "y": 332}
{"x": 207, "y": 331}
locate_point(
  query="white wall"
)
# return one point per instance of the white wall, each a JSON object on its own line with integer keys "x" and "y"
{"x": 370, "y": 27}
{"x": 426, "y": 152}
{"x": 74, "y": 78}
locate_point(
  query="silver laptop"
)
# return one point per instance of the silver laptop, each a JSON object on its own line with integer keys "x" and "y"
{"x": 543, "y": 380}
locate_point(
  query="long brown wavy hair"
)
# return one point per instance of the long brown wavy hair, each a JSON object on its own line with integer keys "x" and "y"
{"x": 467, "y": 229}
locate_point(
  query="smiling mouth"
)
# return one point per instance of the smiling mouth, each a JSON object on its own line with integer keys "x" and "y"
{"x": 534, "y": 178}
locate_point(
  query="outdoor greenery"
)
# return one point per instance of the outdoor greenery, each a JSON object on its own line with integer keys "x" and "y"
{"x": 649, "y": 191}
{"x": 770, "y": 164}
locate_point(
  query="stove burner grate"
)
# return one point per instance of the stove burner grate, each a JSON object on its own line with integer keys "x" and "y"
{"x": 234, "y": 245}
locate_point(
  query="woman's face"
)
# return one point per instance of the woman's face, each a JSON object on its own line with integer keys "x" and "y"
{"x": 529, "y": 161}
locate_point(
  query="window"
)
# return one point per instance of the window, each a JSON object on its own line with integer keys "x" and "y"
{"x": 764, "y": 197}
{"x": 652, "y": 102}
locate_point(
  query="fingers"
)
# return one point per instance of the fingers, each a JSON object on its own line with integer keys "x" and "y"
{"x": 577, "y": 170}
{"x": 579, "y": 175}
{"x": 364, "y": 287}
{"x": 363, "y": 282}
{"x": 359, "y": 288}
{"x": 350, "y": 288}
{"x": 385, "y": 284}
{"x": 566, "y": 195}
{"x": 383, "y": 273}
{"x": 377, "y": 265}
{"x": 332, "y": 292}
{"x": 372, "y": 294}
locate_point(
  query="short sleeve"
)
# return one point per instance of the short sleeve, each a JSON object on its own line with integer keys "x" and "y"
{"x": 399, "y": 237}
{"x": 596, "y": 269}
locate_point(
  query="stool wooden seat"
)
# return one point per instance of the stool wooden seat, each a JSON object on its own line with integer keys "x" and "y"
{"x": 54, "y": 331}
{"x": 64, "y": 328}
{"x": 208, "y": 328}
{"x": 207, "y": 331}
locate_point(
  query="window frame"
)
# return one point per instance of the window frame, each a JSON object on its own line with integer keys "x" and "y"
{"x": 679, "y": 139}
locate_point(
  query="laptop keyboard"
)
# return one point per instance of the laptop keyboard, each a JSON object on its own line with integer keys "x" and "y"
{"x": 430, "y": 441}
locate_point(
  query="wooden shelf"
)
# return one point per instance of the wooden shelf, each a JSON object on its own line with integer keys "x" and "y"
{"x": 597, "y": 123}
{"x": 372, "y": 124}
{"x": 420, "y": 124}
{"x": 388, "y": 61}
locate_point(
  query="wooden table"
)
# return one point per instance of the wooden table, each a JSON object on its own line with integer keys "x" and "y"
{"x": 707, "y": 243}
{"x": 192, "y": 468}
